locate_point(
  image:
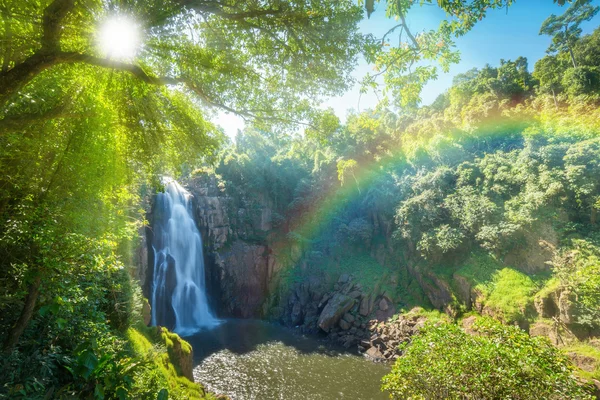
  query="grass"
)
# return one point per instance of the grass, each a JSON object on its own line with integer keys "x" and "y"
{"x": 505, "y": 290}
{"x": 586, "y": 350}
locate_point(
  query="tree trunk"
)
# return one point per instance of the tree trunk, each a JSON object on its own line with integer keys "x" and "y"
{"x": 30, "y": 300}
{"x": 569, "y": 45}
{"x": 572, "y": 57}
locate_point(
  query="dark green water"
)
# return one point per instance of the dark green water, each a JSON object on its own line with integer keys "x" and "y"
{"x": 249, "y": 360}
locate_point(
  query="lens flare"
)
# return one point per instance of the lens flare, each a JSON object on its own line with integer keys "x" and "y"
{"x": 119, "y": 38}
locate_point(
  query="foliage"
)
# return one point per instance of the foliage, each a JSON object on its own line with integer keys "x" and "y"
{"x": 578, "y": 269}
{"x": 496, "y": 362}
{"x": 565, "y": 29}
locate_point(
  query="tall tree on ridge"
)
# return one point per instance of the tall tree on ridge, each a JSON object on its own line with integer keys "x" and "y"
{"x": 565, "y": 30}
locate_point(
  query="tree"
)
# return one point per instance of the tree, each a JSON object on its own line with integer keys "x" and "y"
{"x": 406, "y": 67}
{"x": 74, "y": 134}
{"x": 256, "y": 59}
{"x": 549, "y": 71}
{"x": 565, "y": 30}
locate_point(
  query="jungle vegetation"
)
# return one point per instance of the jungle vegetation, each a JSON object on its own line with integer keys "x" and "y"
{"x": 83, "y": 138}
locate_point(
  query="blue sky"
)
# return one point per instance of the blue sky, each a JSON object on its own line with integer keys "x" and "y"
{"x": 501, "y": 35}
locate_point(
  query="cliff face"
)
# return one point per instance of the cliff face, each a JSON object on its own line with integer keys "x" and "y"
{"x": 237, "y": 257}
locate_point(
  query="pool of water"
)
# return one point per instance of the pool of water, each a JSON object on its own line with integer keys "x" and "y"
{"x": 249, "y": 359}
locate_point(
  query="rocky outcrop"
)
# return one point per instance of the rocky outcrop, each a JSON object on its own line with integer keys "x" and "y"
{"x": 334, "y": 310}
{"x": 180, "y": 352}
{"x": 386, "y": 337}
{"x": 345, "y": 312}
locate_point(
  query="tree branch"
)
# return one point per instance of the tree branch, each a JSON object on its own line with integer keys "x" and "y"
{"x": 53, "y": 16}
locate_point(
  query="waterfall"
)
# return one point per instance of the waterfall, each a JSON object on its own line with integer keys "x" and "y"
{"x": 178, "y": 286}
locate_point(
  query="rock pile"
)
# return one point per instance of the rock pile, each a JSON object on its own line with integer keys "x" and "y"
{"x": 387, "y": 336}
{"x": 354, "y": 317}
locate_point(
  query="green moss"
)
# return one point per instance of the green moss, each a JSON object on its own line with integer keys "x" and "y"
{"x": 511, "y": 293}
{"x": 504, "y": 290}
{"x": 550, "y": 286}
{"x": 147, "y": 344}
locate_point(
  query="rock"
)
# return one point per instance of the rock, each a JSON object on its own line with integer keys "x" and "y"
{"x": 180, "y": 352}
{"x": 146, "y": 312}
{"x": 365, "y": 304}
{"x": 350, "y": 341}
{"x": 375, "y": 354}
{"x": 348, "y": 317}
{"x": 333, "y": 311}
{"x": 566, "y": 305}
{"x": 383, "y": 305}
{"x": 344, "y": 278}
{"x": 544, "y": 329}
{"x": 345, "y": 325}
{"x": 355, "y": 294}
{"x": 584, "y": 362}
{"x": 547, "y": 306}
{"x": 467, "y": 324}
{"x": 297, "y": 314}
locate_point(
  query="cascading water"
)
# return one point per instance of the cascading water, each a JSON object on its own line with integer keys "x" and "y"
{"x": 178, "y": 286}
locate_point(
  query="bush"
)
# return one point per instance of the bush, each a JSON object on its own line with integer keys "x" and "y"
{"x": 497, "y": 362}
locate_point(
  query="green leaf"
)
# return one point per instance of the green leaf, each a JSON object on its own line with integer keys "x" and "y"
{"x": 163, "y": 394}
{"x": 99, "y": 392}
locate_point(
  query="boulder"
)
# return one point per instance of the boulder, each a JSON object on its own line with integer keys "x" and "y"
{"x": 345, "y": 325}
{"x": 365, "y": 306}
{"x": 383, "y": 305}
{"x": 146, "y": 312}
{"x": 333, "y": 311}
{"x": 566, "y": 305}
{"x": 348, "y": 317}
{"x": 374, "y": 353}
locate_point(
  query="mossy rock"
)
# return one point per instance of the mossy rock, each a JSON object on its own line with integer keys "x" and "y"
{"x": 180, "y": 352}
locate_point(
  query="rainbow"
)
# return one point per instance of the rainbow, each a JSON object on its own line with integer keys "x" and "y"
{"x": 510, "y": 127}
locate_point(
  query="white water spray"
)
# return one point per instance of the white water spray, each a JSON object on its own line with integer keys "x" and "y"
{"x": 178, "y": 287}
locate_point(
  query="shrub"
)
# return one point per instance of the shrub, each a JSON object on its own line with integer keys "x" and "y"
{"x": 497, "y": 362}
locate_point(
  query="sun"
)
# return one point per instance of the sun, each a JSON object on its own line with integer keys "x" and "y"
{"x": 119, "y": 38}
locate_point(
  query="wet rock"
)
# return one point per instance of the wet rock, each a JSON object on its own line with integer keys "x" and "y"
{"x": 333, "y": 311}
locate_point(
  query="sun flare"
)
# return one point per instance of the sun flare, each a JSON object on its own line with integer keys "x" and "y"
{"x": 119, "y": 38}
